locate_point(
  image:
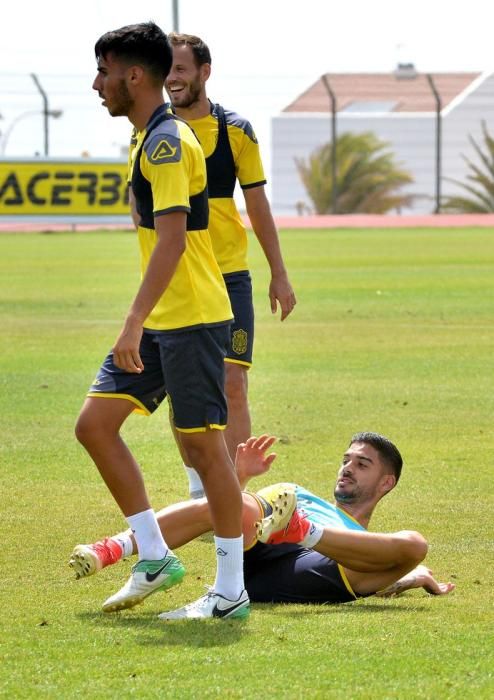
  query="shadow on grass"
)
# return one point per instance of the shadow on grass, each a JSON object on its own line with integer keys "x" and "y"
{"x": 199, "y": 633}
{"x": 392, "y": 607}
{"x": 191, "y": 633}
{"x": 222, "y": 633}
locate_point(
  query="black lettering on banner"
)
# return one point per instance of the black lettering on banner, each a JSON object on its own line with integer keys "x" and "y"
{"x": 59, "y": 190}
{"x": 88, "y": 184}
{"x": 113, "y": 189}
{"x": 11, "y": 183}
{"x": 31, "y": 188}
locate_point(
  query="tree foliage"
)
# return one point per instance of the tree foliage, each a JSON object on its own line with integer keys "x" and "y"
{"x": 480, "y": 185}
{"x": 367, "y": 177}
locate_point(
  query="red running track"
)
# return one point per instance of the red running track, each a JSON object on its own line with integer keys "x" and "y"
{"x": 285, "y": 222}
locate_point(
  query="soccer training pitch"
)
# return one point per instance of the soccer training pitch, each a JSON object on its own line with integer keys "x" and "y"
{"x": 393, "y": 332}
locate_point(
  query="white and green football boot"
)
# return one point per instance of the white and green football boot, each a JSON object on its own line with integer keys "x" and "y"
{"x": 146, "y": 578}
{"x": 212, "y": 605}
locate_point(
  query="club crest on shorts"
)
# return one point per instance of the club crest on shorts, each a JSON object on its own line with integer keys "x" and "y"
{"x": 239, "y": 342}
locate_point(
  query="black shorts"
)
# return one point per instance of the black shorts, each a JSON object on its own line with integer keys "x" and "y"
{"x": 239, "y": 288}
{"x": 186, "y": 366}
{"x": 289, "y": 573}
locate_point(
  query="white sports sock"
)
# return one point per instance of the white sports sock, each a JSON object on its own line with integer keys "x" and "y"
{"x": 230, "y": 566}
{"x": 150, "y": 542}
{"x": 123, "y": 539}
{"x": 313, "y": 535}
{"x": 195, "y": 483}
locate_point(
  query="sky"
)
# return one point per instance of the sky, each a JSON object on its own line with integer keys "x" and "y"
{"x": 265, "y": 53}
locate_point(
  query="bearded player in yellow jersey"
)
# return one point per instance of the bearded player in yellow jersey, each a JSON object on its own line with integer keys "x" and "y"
{"x": 175, "y": 335}
{"x": 232, "y": 154}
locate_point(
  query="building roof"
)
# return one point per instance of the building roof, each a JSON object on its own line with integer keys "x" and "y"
{"x": 405, "y": 90}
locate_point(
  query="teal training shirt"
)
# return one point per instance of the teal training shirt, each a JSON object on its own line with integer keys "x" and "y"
{"x": 322, "y": 512}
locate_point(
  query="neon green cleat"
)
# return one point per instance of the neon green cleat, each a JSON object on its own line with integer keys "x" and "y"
{"x": 146, "y": 578}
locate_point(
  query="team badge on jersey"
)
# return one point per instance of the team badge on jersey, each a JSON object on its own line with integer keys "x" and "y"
{"x": 163, "y": 149}
{"x": 239, "y": 342}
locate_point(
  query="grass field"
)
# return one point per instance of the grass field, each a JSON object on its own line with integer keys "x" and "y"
{"x": 393, "y": 332}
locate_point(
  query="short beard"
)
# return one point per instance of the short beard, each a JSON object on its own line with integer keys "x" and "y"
{"x": 123, "y": 102}
{"x": 345, "y": 497}
{"x": 194, "y": 93}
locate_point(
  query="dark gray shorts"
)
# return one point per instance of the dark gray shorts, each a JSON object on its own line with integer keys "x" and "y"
{"x": 288, "y": 573}
{"x": 239, "y": 288}
{"x": 187, "y": 366}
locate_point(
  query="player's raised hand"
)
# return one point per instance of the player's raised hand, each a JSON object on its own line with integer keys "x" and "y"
{"x": 251, "y": 458}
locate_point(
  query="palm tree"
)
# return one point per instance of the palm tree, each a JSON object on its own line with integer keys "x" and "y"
{"x": 368, "y": 179}
{"x": 482, "y": 189}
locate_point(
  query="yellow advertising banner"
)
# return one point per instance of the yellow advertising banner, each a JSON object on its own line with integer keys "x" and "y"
{"x": 75, "y": 188}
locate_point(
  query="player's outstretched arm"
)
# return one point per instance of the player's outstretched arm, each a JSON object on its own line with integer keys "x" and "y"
{"x": 251, "y": 459}
{"x": 420, "y": 577}
{"x": 261, "y": 219}
{"x": 373, "y": 560}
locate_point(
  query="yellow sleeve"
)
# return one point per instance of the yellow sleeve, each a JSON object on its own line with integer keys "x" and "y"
{"x": 247, "y": 156}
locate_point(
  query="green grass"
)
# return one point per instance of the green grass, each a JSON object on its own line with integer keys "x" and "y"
{"x": 392, "y": 332}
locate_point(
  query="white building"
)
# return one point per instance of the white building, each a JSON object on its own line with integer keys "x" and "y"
{"x": 400, "y": 108}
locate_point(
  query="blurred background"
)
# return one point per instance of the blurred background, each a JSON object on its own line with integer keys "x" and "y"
{"x": 265, "y": 54}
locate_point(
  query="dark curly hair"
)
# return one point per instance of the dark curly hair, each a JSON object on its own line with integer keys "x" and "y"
{"x": 388, "y": 452}
{"x": 145, "y": 44}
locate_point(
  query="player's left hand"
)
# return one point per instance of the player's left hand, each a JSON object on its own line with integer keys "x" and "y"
{"x": 280, "y": 291}
{"x": 126, "y": 354}
{"x": 251, "y": 459}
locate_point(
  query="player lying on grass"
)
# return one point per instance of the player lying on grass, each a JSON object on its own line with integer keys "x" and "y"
{"x": 301, "y": 548}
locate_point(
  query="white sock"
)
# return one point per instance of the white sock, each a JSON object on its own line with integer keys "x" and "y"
{"x": 150, "y": 542}
{"x": 230, "y": 566}
{"x": 124, "y": 540}
{"x": 313, "y": 535}
{"x": 195, "y": 483}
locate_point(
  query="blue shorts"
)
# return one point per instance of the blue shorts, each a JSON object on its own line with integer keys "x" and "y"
{"x": 186, "y": 366}
{"x": 239, "y": 288}
{"x": 288, "y": 573}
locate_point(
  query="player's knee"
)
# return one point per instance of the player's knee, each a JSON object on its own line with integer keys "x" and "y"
{"x": 251, "y": 513}
{"x": 88, "y": 429}
{"x": 414, "y": 546}
{"x": 205, "y": 452}
{"x": 82, "y": 429}
{"x": 236, "y": 383}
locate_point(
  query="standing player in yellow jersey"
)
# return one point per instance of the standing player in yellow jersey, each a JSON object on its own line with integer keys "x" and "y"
{"x": 232, "y": 153}
{"x": 175, "y": 335}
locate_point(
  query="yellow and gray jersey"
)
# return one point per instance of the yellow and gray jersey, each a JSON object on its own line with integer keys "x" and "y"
{"x": 232, "y": 154}
{"x": 168, "y": 174}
